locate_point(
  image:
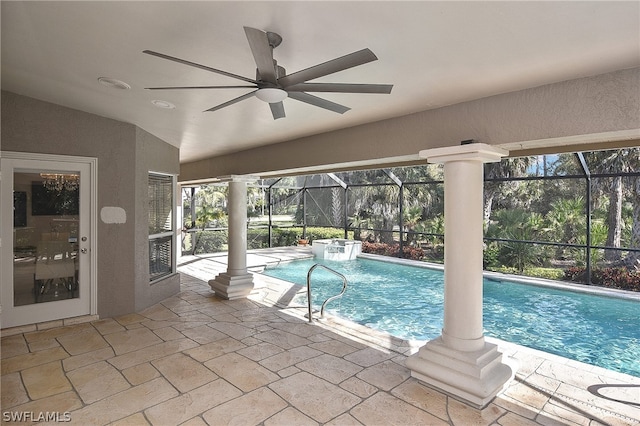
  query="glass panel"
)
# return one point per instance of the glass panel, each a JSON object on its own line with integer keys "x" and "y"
{"x": 160, "y": 204}
{"x": 45, "y": 245}
{"x": 160, "y": 257}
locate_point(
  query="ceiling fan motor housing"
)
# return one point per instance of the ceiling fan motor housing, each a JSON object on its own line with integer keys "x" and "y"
{"x": 280, "y": 72}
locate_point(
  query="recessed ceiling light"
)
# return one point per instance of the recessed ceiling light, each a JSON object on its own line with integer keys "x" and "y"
{"x": 113, "y": 83}
{"x": 163, "y": 104}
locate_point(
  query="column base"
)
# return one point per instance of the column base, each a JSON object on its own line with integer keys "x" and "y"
{"x": 473, "y": 377}
{"x": 232, "y": 287}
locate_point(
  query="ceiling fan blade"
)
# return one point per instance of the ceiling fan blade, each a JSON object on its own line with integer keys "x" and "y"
{"x": 319, "y": 102}
{"x": 342, "y": 63}
{"x": 202, "y": 67}
{"x": 277, "y": 110}
{"x": 200, "y": 87}
{"x": 262, "y": 53}
{"x": 232, "y": 101}
{"x": 341, "y": 87}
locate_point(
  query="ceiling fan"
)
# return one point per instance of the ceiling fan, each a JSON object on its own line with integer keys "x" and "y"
{"x": 273, "y": 85}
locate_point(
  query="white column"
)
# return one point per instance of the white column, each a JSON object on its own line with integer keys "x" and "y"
{"x": 460, "y": 362}
{"x": 236, "y": 282}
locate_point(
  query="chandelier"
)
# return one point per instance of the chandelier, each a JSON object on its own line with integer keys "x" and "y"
{"x": 59, "y": 181}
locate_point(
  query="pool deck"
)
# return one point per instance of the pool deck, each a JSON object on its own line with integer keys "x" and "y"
{"x": 196, "y": 359}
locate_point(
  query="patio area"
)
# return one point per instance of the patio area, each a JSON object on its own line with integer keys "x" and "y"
{"x": 196, "y": 359}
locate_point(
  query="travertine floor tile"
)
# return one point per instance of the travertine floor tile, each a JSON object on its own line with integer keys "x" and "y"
{"x": 12, "y": 391}
{"x": 383, "y": 409}
{"x": 330, "y": 368}
{"x": 125, "y": 403}
{"x": 250, "y": 409}
{"x": 316, "y": 398}
{"x": 214, "y": 349}
{"x": 87, "y": 341}
{"x": 131, "y": 340}
{"x": 134, "y": 420}
{"x": 369, "y": 356}
{"x": 344, "y": 420}
{"x": 87, "y": 358}
{"x": 59, "y": 403}
{"x": 260, "y": 351}
{"x": 55, "y": 333}
{"x": 235, "y": 330}
{"x": 40, "y": 345}
{"x": 129, "y": 319}
{"x": 302, "y": 329}
{"x": 463, "y": 414}
{"x": 168, "y": 333}
{"x": 288, "y": 358}
{"x": 45, "y": 380}
{"x": 151, "y": 352}
{"x": 425, "y": 398}
{"x": 32, "y": 359}
{"x": 97, "y": 381}
{"x": 107, "y": 326}
{"x": 159, "y": 313}
{"x": 204, "y": 334}
{"x": 196, "y": 421}
{"x": 193, "y": 403}
{"x": 13, "y": 346}
{"x": 234, "y": 368}
{"x": 385, "y": 375}
{"x": 140, "y": 373}
{"x": 358, "y": 387}
{"x": 184, "y": 372}
{"x": 282, "y": 339}
{"x": 334, "y": 347}
{"x": 290, "y": 416}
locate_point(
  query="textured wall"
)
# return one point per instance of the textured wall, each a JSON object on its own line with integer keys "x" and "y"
{"x": 594, "y": 105}
{"x": 30, "y": 125}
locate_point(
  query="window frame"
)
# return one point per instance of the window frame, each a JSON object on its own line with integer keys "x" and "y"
{"x": 155, "y": 277}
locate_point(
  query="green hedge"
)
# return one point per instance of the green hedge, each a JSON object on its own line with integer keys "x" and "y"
{"x": 536, "y": 272}
{"x": 282, "y": 237}
{"x": 215, "y": 241}
{"x": 211, "y": 241}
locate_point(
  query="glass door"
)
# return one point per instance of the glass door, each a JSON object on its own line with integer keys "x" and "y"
{"x": 46, "y": 265}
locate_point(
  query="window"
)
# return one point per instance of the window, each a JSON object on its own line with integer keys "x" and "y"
{"x": 161, "y": 218}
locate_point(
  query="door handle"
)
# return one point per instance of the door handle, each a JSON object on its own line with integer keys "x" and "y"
{"x": 84, "y": 250}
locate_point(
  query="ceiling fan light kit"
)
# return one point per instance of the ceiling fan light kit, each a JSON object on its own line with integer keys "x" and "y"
{"x": 273, "y": 86}
{"x": 271, "y": 95}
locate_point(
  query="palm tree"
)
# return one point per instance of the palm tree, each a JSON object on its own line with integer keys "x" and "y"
{"x": 619, "y": 162}
{"x": 508, "y": 167}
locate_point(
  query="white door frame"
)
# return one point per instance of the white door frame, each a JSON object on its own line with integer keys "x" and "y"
{"x": 6, "y": 225}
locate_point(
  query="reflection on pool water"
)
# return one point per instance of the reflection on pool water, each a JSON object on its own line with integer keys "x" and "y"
{"x": 407, "y": 301}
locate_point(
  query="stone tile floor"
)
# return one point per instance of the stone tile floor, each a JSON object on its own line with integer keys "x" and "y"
{"x": 195, "y": 359}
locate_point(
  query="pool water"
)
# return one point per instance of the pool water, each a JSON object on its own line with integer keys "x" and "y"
{"x": 407, "y": 302}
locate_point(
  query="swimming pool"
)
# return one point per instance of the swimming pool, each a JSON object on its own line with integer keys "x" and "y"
{"x": 407, "y": 302}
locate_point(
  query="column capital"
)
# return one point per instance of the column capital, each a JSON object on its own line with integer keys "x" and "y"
{"x": 471, "y": 152}
{"x": 238, "y": 178}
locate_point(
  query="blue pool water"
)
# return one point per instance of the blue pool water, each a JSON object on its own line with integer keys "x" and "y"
{"x": 407, "y": 302}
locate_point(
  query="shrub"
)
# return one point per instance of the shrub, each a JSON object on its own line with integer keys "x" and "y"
{"x": 210, "y": 241}
{"x": 547, "y": 273}
{"x": 620, "y": 278}
{"x": 392, "y": 250}
{"x": 282, "y": 237}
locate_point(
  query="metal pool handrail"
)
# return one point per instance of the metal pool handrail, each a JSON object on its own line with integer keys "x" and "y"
{"x": 344, "y": 288}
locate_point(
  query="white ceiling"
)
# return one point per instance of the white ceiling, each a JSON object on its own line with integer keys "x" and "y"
{"x": 434, "y": 53}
